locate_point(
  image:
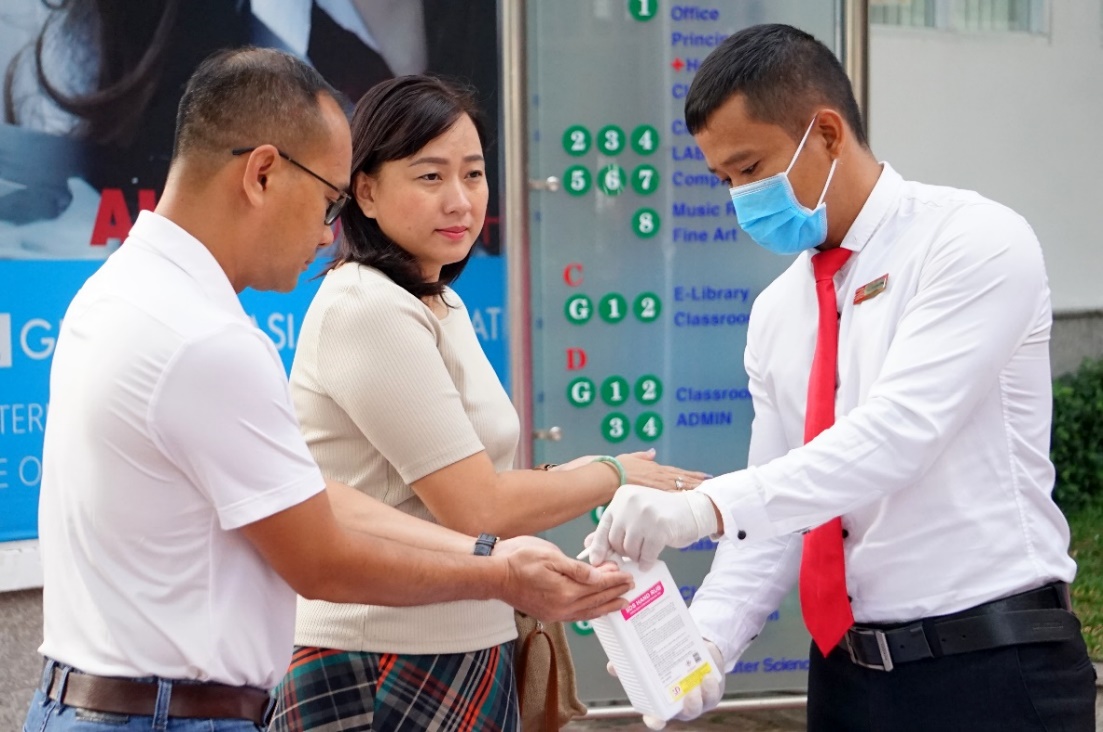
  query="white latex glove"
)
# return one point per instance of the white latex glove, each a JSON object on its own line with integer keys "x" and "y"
{"x": 697, "y": 702}
{"x": 640, "y": 522}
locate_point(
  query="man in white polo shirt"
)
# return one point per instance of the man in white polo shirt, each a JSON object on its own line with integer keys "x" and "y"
{"x": 181, "y": 510}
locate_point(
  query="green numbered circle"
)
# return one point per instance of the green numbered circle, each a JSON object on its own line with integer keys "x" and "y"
{"x": 614, "y": 391}
{"x": 595, "y": 515}
{"x": 645, "y": 139}
{"x": 615, "y": 427}
{"x": 649, "y": 426}
{"x": 579, "y": 309}
{"x": 610, "y": 140}
{"x": 576, "y": 140}
{"x": 645, "y": 180}
{"x": 642, "y": 10}
{"x": 647, "y": 306}
{"x": 645, "y": 223}
{"x": 648, "y": 389}
{"x": 613, "y": 307}
{"x": 580, "y": 392}
{"x": 583, "y": 627}
{"x": 577, "y": 180}
{"x": 610, "y": 179}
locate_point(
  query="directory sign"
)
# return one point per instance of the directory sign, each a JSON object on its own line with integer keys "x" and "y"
{"x": 642, "y": 281}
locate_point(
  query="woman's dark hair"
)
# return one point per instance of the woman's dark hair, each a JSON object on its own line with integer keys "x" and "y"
{"x": 392, "y": 121}
{"x": 782, "y": 72}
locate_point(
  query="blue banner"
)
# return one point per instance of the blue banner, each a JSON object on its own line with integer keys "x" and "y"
{"x": 33, "y": 298}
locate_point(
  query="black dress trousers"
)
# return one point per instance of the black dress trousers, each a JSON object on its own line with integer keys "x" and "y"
{"x": 1037, "y": 687}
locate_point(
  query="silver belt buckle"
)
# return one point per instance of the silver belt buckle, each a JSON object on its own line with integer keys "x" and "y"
{"x": 882, "y": 648}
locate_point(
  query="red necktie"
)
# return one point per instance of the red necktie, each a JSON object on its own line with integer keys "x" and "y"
{"x": 823, "y": 599}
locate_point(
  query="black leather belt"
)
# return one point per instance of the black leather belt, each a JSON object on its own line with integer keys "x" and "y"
{"x": 1043, "y": 615}
{"x": 127, "y": 696}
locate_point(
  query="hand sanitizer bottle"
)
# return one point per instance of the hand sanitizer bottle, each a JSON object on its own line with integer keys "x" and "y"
{"x": 653, "y": 643}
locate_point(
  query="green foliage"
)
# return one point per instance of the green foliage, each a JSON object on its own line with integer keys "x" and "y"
{"x": 1086, "y": 525}
{"x": 1077, "y": 445}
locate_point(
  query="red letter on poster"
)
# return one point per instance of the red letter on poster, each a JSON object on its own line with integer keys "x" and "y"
{"x": 112, "y": 218}
{"x": 147, "y": 199}
{"x": 576, "y": 359}
{"x": 572, "y": 274}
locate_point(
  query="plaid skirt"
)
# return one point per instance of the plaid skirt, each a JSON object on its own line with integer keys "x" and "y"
{"x": 329, "y": 691}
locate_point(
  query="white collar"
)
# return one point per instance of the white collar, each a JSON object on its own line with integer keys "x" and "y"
{"x": 882, "y": 199}
{"x": 165, "y": 238}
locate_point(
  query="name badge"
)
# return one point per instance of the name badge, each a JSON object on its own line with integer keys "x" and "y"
{"x": 872, "y": 290}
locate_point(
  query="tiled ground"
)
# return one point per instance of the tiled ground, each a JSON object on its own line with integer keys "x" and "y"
{"x": 20, "y": 664}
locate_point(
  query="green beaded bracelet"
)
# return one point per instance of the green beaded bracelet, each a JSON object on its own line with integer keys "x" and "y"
{"x": 616, "y": 464}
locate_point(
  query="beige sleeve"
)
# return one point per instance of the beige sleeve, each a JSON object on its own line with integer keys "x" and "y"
{"x": 379, "y": 361}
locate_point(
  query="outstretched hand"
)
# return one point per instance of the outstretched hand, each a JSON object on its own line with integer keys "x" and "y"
{"x": 641, "y": 469}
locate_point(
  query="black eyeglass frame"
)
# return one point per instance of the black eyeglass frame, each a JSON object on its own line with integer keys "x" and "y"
{"x": 333, "y": 210}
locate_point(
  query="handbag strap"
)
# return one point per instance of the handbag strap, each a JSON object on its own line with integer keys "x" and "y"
{"x": 551, "y": 695}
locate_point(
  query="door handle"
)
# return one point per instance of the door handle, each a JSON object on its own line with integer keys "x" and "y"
{"x": 553, "y": 434}
{"x": 551, "y": 183}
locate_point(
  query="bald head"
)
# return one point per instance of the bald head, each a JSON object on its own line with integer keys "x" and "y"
{"x": 247, "y": 97}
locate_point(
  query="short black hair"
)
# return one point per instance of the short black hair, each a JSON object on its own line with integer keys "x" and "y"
{"x": 782, "y": 72}
{"x": 392, "y": 121}
{"x": 249, "y": 96}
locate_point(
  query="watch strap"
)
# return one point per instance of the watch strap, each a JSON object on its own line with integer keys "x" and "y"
{"x": 484, "y": 545}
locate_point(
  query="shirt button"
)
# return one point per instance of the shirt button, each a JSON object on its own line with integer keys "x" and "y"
{"x": 741, "y": 535}
{"x": 845, "y": 533}
{"x": 849, "y": 598}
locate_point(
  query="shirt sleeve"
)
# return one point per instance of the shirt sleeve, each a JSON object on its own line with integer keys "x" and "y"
{"x": 980, "y": 292}
{"x": 380, "y": 361}
{"x": 747, "y": 581}
{"x": 222, "y": 413}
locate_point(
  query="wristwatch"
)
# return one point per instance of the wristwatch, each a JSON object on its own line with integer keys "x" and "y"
{"x": 484, "y": 545}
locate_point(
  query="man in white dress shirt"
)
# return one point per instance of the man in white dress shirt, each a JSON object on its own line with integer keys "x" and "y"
{"x": 180, "y": 509}
{"x": 952, "y": 557}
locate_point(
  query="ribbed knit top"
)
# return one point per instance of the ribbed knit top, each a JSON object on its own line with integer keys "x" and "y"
{"x": 387, "y": 393}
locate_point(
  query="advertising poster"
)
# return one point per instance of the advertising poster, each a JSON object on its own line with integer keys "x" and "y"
{"x": 90, "y": 91}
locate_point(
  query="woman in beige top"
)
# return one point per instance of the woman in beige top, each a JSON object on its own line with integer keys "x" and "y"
{"x": 397, "y": 399}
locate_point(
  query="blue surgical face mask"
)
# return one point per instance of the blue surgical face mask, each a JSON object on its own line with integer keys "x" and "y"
{"x": 770, "y": 213}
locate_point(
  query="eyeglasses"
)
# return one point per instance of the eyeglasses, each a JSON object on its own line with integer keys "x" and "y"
{"x": 333, "y": 210}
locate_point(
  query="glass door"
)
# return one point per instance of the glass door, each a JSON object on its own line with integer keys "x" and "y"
{"x": 641, "y": 281}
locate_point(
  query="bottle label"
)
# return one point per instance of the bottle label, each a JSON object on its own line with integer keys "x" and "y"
{"x": 669, "y": 640}
{"x": 640, "y": 603}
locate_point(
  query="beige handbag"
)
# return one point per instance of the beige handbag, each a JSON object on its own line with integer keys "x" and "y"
{"x": 545, "y": 676}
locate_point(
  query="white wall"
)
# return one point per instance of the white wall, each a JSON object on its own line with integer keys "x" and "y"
{"x": 1018, "y": 118}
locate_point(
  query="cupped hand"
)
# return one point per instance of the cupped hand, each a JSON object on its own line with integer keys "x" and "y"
{"x": 544, "y": 583}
